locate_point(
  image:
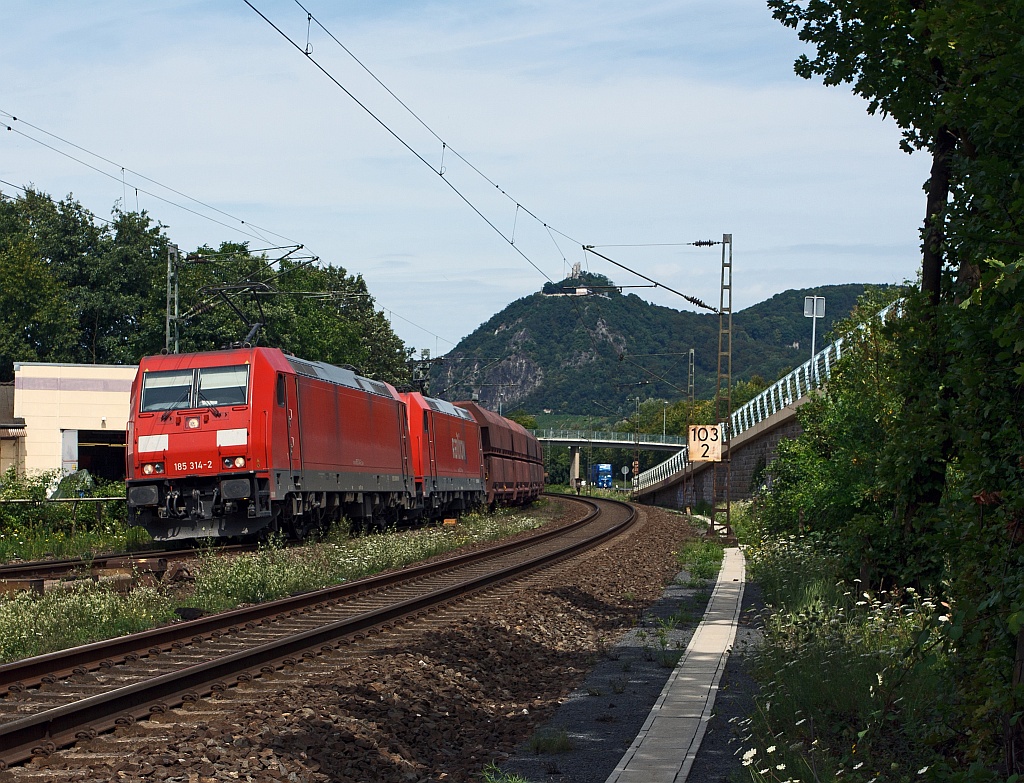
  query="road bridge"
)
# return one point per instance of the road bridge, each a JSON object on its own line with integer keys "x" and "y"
{"x": 576, "y": 440}
{"x": 610, "y": 440}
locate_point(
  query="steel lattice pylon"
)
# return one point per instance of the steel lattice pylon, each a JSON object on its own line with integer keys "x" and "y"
{"x": 721, "y": 471}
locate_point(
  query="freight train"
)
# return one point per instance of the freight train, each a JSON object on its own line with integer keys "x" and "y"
{"x": 248, "y": 441}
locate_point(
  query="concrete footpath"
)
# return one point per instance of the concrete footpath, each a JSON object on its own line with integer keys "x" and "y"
{"x": 665, "y": 748}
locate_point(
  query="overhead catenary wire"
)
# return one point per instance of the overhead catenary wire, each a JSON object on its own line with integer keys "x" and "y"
{"x": 421, "y": 328}
{"x": 511, "y": 240}
{"x": 398, "y": 138}
{"x": 26, "y": 191}
{"x": 691, "y": 299}
{"x": 124, "y": 169}
{"x": 447, "y": 148}
{"x": 295, "y": 246}
{"x": 456, "y": 382}
{"x": 440, "y": 170}
{"x": 698, "y": 243}
{"x": 114, "y": 177}
{"x": 92, "y": 215}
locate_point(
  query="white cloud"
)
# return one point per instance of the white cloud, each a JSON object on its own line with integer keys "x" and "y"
{"x": 611, "y": 121}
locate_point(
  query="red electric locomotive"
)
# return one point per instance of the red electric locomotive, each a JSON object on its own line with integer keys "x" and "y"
{"x": 237, "y": 442}
{"x": 447, "y": 457}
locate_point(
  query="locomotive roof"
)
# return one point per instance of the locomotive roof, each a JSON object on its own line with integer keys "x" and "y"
{"x": 338, "y": 375}
{"x": 443, "y": 406}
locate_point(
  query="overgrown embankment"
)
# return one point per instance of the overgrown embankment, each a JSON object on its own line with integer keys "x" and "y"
{"x": 889, "y": 550}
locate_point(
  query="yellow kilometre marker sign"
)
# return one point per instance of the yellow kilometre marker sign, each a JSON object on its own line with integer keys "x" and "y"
{"x": 705, "y": 443}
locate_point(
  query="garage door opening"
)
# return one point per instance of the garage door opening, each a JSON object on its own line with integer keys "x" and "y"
{"x": 102, "y": 453}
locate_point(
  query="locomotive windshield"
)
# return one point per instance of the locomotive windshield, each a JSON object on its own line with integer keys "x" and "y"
{"x": 163, "y": 391}
{"x": 197, "y": 388}
{"x": 223, "y": 385}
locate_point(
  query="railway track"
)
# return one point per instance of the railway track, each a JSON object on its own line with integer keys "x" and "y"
{"x": 36, "y": 574}
{"x": 53, "y": 700}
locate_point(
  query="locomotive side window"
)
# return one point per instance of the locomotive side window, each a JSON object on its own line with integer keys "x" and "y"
{"x": 280, "y": 389}
{"x": 426, "y": 422}
{"x": 167, "y": 390}
{"x": 223, "y": 386}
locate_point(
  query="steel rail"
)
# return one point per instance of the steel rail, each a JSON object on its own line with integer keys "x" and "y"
{"x": 44, "y": 731}
{"x": 53, "y": 666}
{"x": 48, "y": 569}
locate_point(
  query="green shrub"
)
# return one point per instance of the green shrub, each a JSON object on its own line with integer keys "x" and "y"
{"x": 551, "y": 741}
{"x": 840, "y": 696}
{"x": 32, "y": 531}
{"x": 86, "y": 611}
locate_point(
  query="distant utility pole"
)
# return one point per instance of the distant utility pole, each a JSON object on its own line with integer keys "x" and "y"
{"x": 690, "y": 400}
{"x": 636, "y": 447}
{"x": 814, "y": 308}
{"x": 172, "y": 298}
{"x": 420, "y": 369}
{"x": 690, "y": 394}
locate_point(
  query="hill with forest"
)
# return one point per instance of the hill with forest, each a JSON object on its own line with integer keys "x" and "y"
{"x": 582, "y": 341}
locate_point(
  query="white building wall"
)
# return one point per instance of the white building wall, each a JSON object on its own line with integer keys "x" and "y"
{"x": 58, "y": 398}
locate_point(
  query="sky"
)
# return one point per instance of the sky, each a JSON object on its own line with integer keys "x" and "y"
{"x": 531, "y": 129}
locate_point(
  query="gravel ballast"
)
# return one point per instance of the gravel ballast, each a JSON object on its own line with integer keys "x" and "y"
{"x": 439, "y": 698}
{"x": 602, "y": 717}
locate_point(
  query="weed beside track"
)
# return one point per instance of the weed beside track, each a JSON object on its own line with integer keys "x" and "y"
{"x": 85, "y": 612}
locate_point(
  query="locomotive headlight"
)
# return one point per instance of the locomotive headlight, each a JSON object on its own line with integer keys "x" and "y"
{"x": 227, "y": 462}
{"x": 148, "y": 469}
{"x": 239, "y": 462}
{"x": 153, "y": 467}
{"x": 192, "y": 422}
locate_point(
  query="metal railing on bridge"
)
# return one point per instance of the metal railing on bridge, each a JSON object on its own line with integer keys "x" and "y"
{"x": 809, "y": 376}
{"x": 593, "y": 436}
{"x": 662, "y": 471}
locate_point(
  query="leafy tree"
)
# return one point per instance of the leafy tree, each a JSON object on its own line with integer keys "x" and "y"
{"x": 925, "y": 459}
{"x": 316, "y": 312}
{"x": 947, "y": 72}
{"x": 34, "y": 326}
{"x": 75, "y": 290}
{"x": 888, "y": 53}
{"x": 523, "y": 418}
{"x": 120, "y": 291}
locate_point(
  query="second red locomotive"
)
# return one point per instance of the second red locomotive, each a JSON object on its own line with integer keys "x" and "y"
{"x": 246, "y": 441}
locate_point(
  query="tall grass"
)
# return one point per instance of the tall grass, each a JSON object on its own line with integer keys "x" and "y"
{"x": 842, "y": 697}
{"x": 701, "y": 559}
{"x": 77, "y": 614}
{"x": 274, "y": 571}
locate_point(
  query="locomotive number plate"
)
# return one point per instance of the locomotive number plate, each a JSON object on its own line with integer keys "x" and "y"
{"x": 199, "y": 465}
